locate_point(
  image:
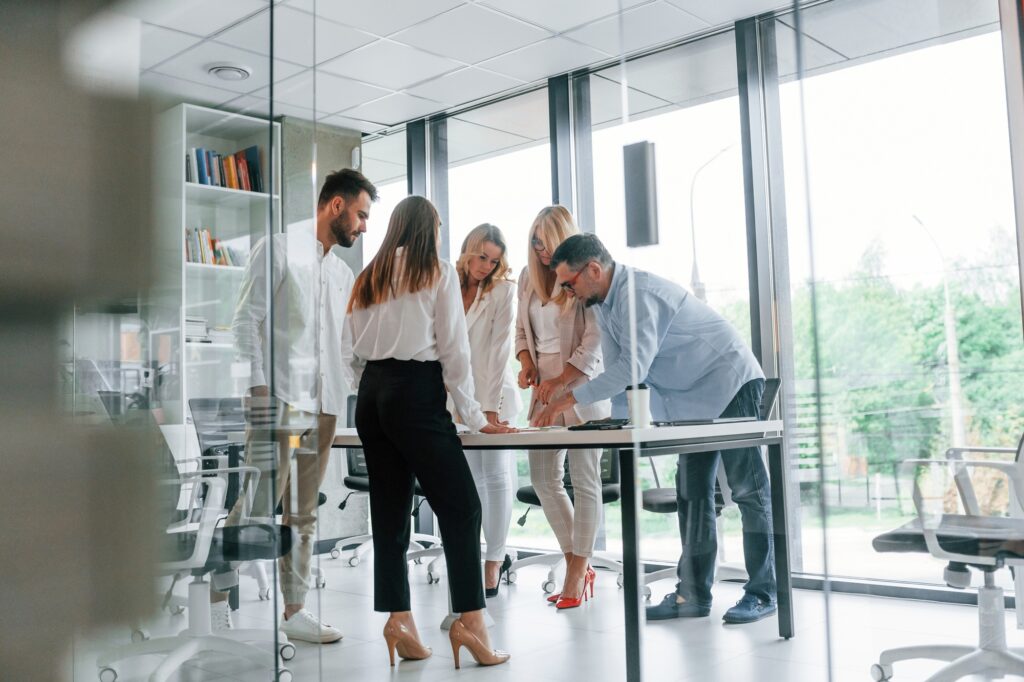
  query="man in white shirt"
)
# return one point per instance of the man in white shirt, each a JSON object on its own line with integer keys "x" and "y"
{"x": 311, "y": 380}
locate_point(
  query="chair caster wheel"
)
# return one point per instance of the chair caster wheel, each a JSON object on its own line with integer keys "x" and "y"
{"x": 548, "y": 586}
{"x": 647, "y": 593}
{"x": 264, "y": 594}
{"x": 353, "y": 560}
{"x": 284, "y": 675}
{"x": 287, "y": 651}
{"x": 140, "y": 635}
{"x": 108, "y": 675}
{"x": 511, "y": 577}
{"x": 417, "y": 561}
{"x": 881, "y": 673}
{"x": 433, "y": 579}
{"x": 335, "y": 553}
{"x": 321, "y": 582}
{"x": 176, "y": 610}
{"x": 619, "y": 579}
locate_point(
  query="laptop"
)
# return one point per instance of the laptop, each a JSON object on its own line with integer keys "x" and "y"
{"x": 769, "y": 397}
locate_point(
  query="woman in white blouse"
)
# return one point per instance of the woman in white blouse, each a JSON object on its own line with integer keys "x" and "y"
{"x": 409, "y": 342}
{"x": 489, "y": 299}
{"x": 558, "y": 345}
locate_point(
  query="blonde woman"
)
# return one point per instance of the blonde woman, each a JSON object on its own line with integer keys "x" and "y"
{"x": 558, "y": 345}
{"x": 409, "y": 342}
{"x": 489, "y": 300}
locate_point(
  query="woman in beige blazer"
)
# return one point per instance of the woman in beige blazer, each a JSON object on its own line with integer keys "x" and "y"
{"x": 489, "y": 300}
{"x": 558, "y": 345}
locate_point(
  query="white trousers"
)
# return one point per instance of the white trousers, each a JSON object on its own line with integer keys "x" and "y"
{"x": 494, "y": 476}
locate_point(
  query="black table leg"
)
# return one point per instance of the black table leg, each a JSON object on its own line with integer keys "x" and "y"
{"x": 780, "y": 522}
{"x": 631, "y": 564}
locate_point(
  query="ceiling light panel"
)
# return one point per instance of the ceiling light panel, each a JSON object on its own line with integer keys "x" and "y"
{"x": 390, "y": 64}
{"x": 471, "y": 34}
{"x": 293, "y": 36}
{"x": 561, "y": 15}
{"x": 380, "y": 17}
{"x": 544, "y": 59}
{"x": 642, "y": 27}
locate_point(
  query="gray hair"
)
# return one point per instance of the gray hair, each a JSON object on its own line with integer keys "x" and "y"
{"x": 580, "y": 249}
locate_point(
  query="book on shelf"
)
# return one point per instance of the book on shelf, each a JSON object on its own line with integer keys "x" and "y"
{"x": 196, "y": 329}
{"x": 202, "y": 247}
{"x": 239, "y": 170}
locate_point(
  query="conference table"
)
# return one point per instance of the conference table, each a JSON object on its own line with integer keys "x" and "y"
{"x": 630, "y": 444}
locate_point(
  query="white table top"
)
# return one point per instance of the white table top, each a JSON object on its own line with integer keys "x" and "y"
{"x": 526, "y": 440}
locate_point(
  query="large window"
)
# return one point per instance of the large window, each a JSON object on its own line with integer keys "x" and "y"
{"x": 915, "y": 271}
{"x": 384, "y": 165}
{"x": 684, "y": 101}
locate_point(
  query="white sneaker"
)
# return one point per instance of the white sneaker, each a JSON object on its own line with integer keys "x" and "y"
{"x": 308, "y": 628}
{"x": 220, "y": 617}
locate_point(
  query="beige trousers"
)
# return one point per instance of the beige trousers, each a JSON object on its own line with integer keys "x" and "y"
{"x": 296, "y": 485}
{"x": 575, "y": 525}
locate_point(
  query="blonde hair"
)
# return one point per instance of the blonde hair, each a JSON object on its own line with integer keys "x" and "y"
{"x": 553, "y": 225}
{"x": 472, "y": 246}
{"x": 414, "y": 224}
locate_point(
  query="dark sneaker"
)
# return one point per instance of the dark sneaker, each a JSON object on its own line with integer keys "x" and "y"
{"x": 673, "y": 606}
{"x": 748, "y": 610}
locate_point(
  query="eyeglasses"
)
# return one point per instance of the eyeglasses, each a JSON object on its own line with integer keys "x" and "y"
{"x": 568, "y": 284}
{"x": 537, "y": 244}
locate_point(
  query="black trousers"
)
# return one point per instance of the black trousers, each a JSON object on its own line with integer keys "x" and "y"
{"x": 408, "y": 436}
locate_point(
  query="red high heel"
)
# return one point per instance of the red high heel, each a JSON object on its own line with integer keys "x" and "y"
{"x": 571, "y": 603}
{"x": 553, "y": 599}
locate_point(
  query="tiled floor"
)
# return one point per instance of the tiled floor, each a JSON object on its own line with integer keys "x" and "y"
{"x": 581, "y": 644}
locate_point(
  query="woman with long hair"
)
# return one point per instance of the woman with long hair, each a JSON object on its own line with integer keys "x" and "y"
{"x": 488, "y": 298}
{"x": 409, "y": 342}
{"x": 558, "y": 345}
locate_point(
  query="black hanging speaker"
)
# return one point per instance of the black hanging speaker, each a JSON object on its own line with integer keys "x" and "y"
{"x": 641, "y": 194}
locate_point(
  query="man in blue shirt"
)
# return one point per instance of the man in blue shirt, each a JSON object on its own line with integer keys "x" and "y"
{"x": 698, "y": 367}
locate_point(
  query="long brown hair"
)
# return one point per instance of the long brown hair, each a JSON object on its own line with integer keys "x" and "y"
{"x": 414, "y": 224}
{"x": 553, "y": 225}
{"x": 471, "y": 248}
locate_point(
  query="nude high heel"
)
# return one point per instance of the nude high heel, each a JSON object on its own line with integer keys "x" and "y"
{"x": 400, "y": 638}
{"x": 460, "y": 636}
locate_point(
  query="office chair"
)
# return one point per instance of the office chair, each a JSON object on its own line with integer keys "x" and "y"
{"x": 965, "y": 540}
{"x": 610, "y": 492}
{"x": 199, "y": 551}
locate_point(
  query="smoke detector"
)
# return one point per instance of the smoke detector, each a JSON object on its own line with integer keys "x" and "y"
{"x": 229, "y": 71}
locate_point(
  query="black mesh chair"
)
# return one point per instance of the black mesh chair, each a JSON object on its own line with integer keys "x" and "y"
{"x": 610, "y": 492}
{"x": 968, "y": 540}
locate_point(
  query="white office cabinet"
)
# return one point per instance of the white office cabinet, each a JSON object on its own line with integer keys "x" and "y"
{"x": 193, "y": 301}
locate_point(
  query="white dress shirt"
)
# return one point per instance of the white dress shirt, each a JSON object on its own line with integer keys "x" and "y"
{"x": 426, "y": 325}
{"x": 312, "y": 350}
{"x": 544, "y": 319}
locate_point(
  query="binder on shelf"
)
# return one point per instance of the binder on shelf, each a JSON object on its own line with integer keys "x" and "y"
{"x": 252, "y": 160}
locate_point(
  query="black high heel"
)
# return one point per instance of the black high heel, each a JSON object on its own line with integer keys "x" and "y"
{"x": 505, "y": 566}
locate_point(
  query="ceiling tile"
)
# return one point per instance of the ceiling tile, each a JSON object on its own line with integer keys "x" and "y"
{"x": 468, "y": 140}
{"x": 199, "y": 17}
{"x": 471, "y": 33}
{"x": 690, "y": 72}
{"x": 332, "y": 93}
{"x": 390, "y": 64}
{"x": 183, "y": 90}
{"x": 525, "y": 115}
{"x": 394, "y": 109}
{"x": 562, "y": 15}
{"x": 873, "y": 26}
{"x": 606, "y": 101}
{"x": 351, "y": 123}
{"x": 160, "y": 43}
{"x": 381, "y": 172}
{"x": 293, "y": 36}
{"x": 464, "y": 86}
{"x": 192, "y": 65}
{"x": 387, "y": 148}
{"x": 544, "y": 59}
{"x": 816, "y": 55}
{"x": 642, "y": 27}
{"x": 380, "y": 17}
{"x": 718, "y": 12}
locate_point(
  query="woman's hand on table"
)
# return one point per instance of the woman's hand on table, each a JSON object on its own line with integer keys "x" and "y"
{"x": 492, "y": 418}
{"x": 497, "y": 428}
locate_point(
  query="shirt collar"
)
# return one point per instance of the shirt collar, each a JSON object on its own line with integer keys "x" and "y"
{"x": 618, "y": 281}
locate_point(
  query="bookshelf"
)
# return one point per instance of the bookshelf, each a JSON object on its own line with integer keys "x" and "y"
{"x": 201, "y": 229}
